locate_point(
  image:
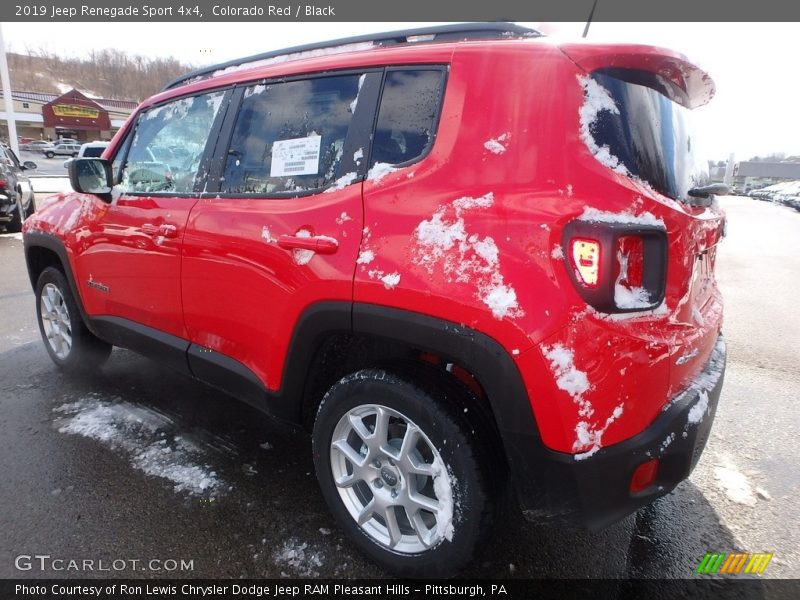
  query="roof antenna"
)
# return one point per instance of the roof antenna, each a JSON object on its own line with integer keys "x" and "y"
{"x": 589, "y": 21}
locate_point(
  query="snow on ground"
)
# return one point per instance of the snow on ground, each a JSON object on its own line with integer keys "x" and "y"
{"x": 141, "y": 434}
{"x": 298, "y": 557}
{"x": 12, "y": 236}
{"x": 734, "y": 484}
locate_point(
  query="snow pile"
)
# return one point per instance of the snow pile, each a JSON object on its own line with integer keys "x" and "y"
{"x": 443, "y": 488}
{"x": 301, "y": 559}
{"x": 588, "y": 437}
{"x": 596, "y": 216}
{"x": 698, "y": 412}
{"x": 354, "y": 103}
{"x": 379, "y": 171}
{"x": 443, "y": 241}
{"x": 596, "y": 100}
{"x": 497, "y": 145}
{"x": 628, "y": 297}
{"x": 734, "y": 484}
{"x": 342, "y": 182}
{"x": 141, "y": 434}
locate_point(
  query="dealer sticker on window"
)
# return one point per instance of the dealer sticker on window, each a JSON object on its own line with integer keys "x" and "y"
{"x": 299, "y": 156}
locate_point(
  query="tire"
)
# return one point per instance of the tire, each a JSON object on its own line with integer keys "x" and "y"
{"x": 15, "y": 224}
{"x": 31, "y": 205}
{"x": 74, "y": 154}
{"x": 49, "y": 154}
{"x": 402, "y": 536}
{"x": 57, "y": 313}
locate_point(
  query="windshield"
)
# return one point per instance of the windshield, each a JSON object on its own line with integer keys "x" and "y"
{"x": 651, "y": 137}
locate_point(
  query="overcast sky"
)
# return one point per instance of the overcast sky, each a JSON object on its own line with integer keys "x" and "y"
{"x": 755, "y": 111}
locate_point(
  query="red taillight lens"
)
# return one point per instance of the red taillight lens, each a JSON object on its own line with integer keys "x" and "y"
{"x": 585, "y": 257}
{"x": 3, "y": 183}
{"x": 644, "y": 476}
{"x": 630, "y": 261}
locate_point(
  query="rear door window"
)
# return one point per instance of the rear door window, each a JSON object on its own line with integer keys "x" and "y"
{"x": 289, "y": 137}
{"x": 409, "y": 112}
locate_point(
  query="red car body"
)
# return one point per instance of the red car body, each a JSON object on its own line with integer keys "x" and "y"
{"x": 209, "y": 270}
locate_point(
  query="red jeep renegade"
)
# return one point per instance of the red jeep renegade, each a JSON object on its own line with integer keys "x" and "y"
{"x": 470, "y": 260}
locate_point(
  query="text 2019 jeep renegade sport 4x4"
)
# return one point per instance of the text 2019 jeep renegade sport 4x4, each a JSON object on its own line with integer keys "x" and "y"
{"x": 470, "y": 260}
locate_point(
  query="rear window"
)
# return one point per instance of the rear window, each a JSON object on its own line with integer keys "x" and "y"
{"x": 408, "y": 115}
{"x": 93, "y": 151}
{"x": 647, "y": 133}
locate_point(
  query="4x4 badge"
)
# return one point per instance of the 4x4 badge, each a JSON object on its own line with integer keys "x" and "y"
{"x": 96, "y": 285}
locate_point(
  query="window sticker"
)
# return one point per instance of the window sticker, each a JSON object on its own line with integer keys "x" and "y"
{"x": 298, "y": 156}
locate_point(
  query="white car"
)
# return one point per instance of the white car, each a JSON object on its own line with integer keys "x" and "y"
{"x": 89, "y": 150}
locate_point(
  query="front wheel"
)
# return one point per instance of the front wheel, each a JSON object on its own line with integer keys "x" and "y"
{"x": 71, "y": 346}
{"x": 402, "y": 473}
{"x": 49, "y": 154}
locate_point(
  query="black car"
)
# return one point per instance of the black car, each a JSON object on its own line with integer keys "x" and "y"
{"x": 16, "y": 192}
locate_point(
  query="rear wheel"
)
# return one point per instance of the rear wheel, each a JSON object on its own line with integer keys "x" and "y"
{"x": 49, "y": 154}
{"x": 402, "y": 473}
{"x": 71, "y": 346}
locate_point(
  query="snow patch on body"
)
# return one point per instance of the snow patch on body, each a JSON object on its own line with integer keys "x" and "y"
{"x": 379, "y": 171}
{"x": 365, "y": 257}
{"x": 588, "y": 436}
{"x": 342, "y": 182}
{"x": 302, "y": 256}
{"x": 497, "y": 145}
{"x": 443, "y": 241}
{"x": 597, "y": 216}
{"x": 140, "y": 433}
{"x": 391, "y": 280}
{"x": 698, "y": 412}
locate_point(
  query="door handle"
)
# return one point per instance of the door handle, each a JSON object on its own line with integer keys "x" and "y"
{"x": 165, "y": 230}
{"x": 319, "y": 244}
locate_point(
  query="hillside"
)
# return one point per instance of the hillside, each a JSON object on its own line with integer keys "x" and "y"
{"x": 103, "y": 73}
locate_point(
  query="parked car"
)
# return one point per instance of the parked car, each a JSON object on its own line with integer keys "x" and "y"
{"x": 464, "y": 261}
{"x": 89, "y": 150}
{"x": 36, "y": 146}
{"x": 62, "y": 149}
{"x": 17, "y": 201}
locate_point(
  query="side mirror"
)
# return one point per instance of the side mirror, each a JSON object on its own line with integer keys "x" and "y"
{"x": 29, "y": 165}
{"x": 91, "y": 176}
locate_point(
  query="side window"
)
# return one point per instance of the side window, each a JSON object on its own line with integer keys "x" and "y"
{"x": 168, "y": 144}
{"x": 289, "y": 137}
{"x": 407, "y": 116}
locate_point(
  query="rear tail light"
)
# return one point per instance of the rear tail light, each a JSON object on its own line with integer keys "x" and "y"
{"x": 617, "y": 267}
{"x": 3, "y": 183}
{"x": 585, "y": 255}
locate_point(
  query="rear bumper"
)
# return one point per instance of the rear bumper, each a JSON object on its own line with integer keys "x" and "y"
{"x": 595, "y": 492}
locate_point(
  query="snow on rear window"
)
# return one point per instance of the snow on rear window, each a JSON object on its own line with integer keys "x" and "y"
{"x": 596, "y": 100}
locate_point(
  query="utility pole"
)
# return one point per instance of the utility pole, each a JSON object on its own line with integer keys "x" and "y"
{"x": 6, "y": 81}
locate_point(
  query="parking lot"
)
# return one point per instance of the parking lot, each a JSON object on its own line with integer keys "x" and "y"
{"x": 141, "y": 463}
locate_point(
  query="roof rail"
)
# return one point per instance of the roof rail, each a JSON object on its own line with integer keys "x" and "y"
{"x": 439, "y": 33}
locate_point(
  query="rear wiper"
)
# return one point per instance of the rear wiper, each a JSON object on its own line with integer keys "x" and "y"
{"x": 704, "y": 193}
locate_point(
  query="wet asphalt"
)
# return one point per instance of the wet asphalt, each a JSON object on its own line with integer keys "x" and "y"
{"x": 71, "y": 497}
